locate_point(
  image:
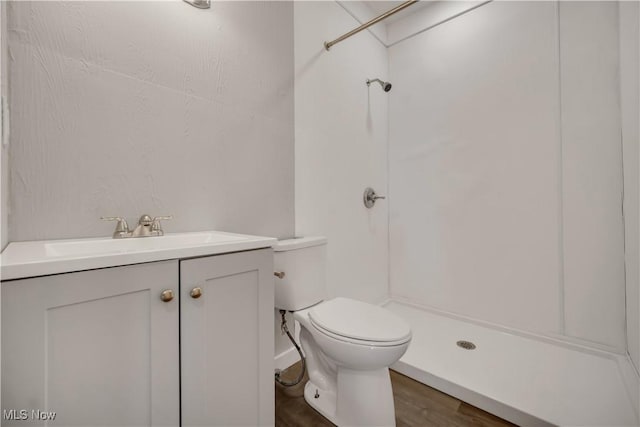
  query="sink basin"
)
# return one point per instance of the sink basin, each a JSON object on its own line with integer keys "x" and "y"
{"x": 87, "y": 247}
{"x": 29, "y": 259}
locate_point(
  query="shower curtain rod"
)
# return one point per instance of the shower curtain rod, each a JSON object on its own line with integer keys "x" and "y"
{"x": 327, "y": 45}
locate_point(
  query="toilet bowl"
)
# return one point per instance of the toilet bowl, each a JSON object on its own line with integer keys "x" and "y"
{"x": 348, "y": 344}
{"x": 349, "y": 379}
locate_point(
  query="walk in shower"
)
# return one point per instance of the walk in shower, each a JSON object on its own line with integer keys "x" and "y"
{"x": 506, "y": 197}
{"x": 508, "y": 152}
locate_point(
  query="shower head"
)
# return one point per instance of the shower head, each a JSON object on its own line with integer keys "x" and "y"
{"x": 386, "y": 86}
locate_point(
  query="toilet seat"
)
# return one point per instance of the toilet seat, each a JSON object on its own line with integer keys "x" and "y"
{"x": 360, "y": 323}
{"x": 358, "y": 341}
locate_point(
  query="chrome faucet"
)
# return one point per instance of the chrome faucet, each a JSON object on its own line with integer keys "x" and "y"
{"x": 144, "y": 227}
{"x": 147, "y": 226}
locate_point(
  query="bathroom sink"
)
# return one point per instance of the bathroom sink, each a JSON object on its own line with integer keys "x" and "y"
{"x": 29, "y": 259}
{"x": 87, "y": 247}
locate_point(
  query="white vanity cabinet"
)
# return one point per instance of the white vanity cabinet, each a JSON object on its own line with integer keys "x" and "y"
{"x": 103, "y": 348}
{"x": 97, "y": 347}
{"x": 227, "y": 340}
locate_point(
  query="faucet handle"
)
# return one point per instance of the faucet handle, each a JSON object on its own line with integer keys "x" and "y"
{"x": 122, "y": 228}
{"x": 156, "y": 226}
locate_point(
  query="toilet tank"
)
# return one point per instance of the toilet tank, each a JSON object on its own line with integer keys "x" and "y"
{"x": 303, "y": 261}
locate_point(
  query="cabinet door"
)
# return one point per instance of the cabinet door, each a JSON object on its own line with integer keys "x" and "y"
{"x": 227, "y": 340}
{"x": 98, "y": 348}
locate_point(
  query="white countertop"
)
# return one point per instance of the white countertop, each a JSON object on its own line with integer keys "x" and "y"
{"x": 39, "y": 258}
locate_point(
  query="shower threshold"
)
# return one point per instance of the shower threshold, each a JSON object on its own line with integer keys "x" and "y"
{"x": 528, "y": 380}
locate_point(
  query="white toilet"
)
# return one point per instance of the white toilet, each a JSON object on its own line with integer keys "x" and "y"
{"x": 348, "y": 344}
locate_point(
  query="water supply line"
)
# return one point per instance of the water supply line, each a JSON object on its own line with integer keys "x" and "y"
{"x": 284, "y": 328}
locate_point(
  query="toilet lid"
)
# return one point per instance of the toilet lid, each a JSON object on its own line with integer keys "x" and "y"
{"x": 355, "y": 319}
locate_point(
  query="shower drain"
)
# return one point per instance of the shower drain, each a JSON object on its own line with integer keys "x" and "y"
{"x": 467, "y": 345}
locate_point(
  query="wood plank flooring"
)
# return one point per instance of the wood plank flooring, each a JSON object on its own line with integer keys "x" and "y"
{"x": 417, "y": 405}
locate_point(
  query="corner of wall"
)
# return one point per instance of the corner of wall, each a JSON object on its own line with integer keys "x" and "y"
{"x": 629, "y": 21}
{"x": 3, "y": 155}
{"x": 4, "y": 151}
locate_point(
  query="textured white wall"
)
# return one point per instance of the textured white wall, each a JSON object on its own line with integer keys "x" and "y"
{"x": 4, "y": 175}
{"x": 4, "y": 151}
{"x": 630, "y": 103}
{"x": 341, "y": 148}
{"x": 506, "y": 196}
{"x": 124, "y": 108}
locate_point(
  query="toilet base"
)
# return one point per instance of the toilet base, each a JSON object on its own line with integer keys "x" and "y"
{"x": 325, "y": 403}
{"x": 363, "y": 398}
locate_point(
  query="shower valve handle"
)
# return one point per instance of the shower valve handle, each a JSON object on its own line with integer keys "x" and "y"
{"x": 369, "y": 197}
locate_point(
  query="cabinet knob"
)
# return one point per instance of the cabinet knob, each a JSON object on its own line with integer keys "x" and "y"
{"x": 279, "y": 274}
{"x": 196, "y": 292}
{"x": 166, "y": 295}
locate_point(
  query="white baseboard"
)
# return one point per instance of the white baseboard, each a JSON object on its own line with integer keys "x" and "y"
{"x": 286, "y": 359}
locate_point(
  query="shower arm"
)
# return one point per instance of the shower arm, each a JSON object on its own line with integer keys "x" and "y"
{"x": 327, "y": 45}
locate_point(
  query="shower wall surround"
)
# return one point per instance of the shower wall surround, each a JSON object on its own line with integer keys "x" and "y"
{"x": 341, "y": 148}
{"x": 506, "y": 169}
{"x": 122, "y": 108}
{"x": 630, "y": 102}
{"x": 592, "y": 189}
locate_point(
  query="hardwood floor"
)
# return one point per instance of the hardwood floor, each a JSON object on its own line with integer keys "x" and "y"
{"x": 417, "y": 405}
